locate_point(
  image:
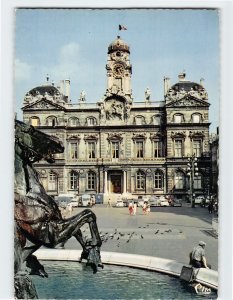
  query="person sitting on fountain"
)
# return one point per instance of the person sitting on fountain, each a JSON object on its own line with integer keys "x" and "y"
{"x": 197, "y": 256}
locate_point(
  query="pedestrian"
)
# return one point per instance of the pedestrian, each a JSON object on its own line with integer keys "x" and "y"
{"x": 131, "y": 208}
{"x": 109, "y": 203}
{"x": 210, "y": 207}
{"x": 197, "y": 256}
{"x": 148, "y": 209}
{"x": 144, "y": 207}
{"x": 135, "y": 208}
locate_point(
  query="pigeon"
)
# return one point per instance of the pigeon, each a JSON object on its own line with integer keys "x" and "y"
{"x": 142, "y": 236}
{"x": 157, "y": 231}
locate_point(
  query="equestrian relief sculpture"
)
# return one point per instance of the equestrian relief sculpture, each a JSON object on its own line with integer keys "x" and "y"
{"x": 38, "y": 220}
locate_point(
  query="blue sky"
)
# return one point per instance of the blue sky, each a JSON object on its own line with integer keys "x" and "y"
{"x": 72, "y": 43}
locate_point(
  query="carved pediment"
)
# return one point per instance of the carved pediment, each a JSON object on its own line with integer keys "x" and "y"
{"x": 90, "y": 137}
{"x": 139, "y": 136}
{"x": 178, "y": 134}
{"x": 115, "y": 136}
{"x": 43, "y": 104}
{"x": 156, "y": 136}
{"x": 75, "y": 137}
{"x": 197, "y": 133}
{"x": 187, "y": 101}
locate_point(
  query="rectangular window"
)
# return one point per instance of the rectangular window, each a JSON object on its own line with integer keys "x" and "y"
{"x": 197, "y": 182}
{"x": 157, "y": 149}
{"x": 73, "y": 150}
{"x": 91, "y": 181}
{"x": 197, "y": 148}
{"x": 179, "y": 181}
{"x": 139, "y": 149}
{"x": 178, "y": 148}
{"x": 52, "y": 182}
{"x": 73, "y": 181}
{"x": 115, "y": 149}
{"x": 91, "y": 149}
{"x": 140, "y": 181}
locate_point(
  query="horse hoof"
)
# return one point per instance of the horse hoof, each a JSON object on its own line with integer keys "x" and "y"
{"x": 101, "y": 266}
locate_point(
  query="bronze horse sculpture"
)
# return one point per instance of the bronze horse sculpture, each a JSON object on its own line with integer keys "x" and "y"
{"x": 38, "y": 220}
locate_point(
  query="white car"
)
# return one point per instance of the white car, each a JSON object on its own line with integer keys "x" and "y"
{"x": 199, "y": 199}
{"x": 164, "y": 202}
{"x": 74, "y": 203}
{"x": 120, "y": 203}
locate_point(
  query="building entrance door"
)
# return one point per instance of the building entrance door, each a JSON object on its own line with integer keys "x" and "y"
{"x": 116, "y": 184}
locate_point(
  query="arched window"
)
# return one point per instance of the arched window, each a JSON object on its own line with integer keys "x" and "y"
{"x": 91, "y": 121}
{"x": 91, "y": 180}
{"x": 140, "y": 180}
{"x": 156, "y": 120}
{"x": 35, "y": 121}
{"x": 139, "y": 120}
{"x": 73, "y": 121}
{"x": 196, "y": 118}
{"x": 158, "y": 179}
{"x": 179, "y": 180}
{"x": 52, "y": 181}
{"x": 74, "y": 180}
{"x": 178, "y": 118}
{"x": 51, "y": 121}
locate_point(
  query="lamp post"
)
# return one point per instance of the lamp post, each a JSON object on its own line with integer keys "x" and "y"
{"x": 192, "y": 171}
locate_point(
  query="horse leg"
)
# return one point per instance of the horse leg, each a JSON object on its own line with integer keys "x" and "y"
{"x": 62, "y": 230}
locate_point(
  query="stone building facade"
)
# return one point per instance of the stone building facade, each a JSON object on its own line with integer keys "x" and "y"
{"x": 119, "y": 146}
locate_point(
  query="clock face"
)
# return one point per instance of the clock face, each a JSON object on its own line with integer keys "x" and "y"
{"x": 118, "y": 70}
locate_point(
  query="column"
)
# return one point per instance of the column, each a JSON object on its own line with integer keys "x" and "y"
{"x": 124, "y": 182}
{"x": 105, "y": 182}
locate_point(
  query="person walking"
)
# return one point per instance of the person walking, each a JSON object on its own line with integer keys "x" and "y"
{"x": 197, "y": 256}
{"x": 130, "y": 208}
{"x": 134, "y": 208}
{"x": 109, "y": 203}
{"x": 147, "y": 208}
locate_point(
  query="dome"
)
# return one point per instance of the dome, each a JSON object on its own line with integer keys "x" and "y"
{"x": 44, "y": 89}
{"x": 118, "y": 44}
{"x": 185, "y": 87}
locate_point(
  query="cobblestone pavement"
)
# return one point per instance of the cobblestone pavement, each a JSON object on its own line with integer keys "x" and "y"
{"x": 167, "y": 232}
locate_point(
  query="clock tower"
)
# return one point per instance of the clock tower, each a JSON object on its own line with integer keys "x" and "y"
{"x": 119, "y": 69}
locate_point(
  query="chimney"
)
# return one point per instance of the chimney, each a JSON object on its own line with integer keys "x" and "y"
{"x": 67, "y": 88}
{"x": 181, "y": 76}
{"x": 202, "y": 82}
{"x": 167, "y": 84}
{"x": 62, "y": 86}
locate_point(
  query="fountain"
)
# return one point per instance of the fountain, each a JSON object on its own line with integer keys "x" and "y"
{"x": 38, "y": 220}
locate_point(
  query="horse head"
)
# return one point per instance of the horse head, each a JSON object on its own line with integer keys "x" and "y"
{"x": 35, "y": 145}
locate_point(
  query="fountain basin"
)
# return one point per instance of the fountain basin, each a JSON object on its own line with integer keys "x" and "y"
{"x": 204, "y": 276}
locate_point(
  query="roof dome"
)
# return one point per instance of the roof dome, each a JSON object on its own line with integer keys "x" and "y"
{"x": 118, "y": 44}
{"x": 44, "y": 89}
{"x": 185, "y": 87}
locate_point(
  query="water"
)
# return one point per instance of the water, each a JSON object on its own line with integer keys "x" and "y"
{"x": 72, "y": 280}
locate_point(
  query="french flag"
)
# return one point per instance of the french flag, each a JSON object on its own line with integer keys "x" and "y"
{"x": 121, "y": 27}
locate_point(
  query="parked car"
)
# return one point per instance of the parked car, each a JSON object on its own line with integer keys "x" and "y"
{"x": 120, "y": 203}
{"x": 74, "y": 203}
{"x": 85, "y": 200}
{"x": 176, "y": 202}
{"x": 164, "y": 202}
{"x": 64, "y": 199}
{"x": 155, "y": 201}
{"x": 199, "y": 199}
{"x": 205, "y": 202}
{"x": 141, "y": 200}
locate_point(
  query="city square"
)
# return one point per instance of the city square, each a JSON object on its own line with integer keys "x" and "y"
{"x": 167, "y": 232}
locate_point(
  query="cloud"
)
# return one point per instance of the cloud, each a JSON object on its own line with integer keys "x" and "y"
{"x": 69, "y": 52}
{"x": 22, "y": 70}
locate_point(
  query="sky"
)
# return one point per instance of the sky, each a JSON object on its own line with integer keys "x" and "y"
{"x": 72, "y": 43}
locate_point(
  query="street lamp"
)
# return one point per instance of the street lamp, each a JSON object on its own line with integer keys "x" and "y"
{"x": 192, "y": 171}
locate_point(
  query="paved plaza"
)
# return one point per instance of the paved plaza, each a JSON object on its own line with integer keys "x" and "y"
{"x": 167, "y": 232}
